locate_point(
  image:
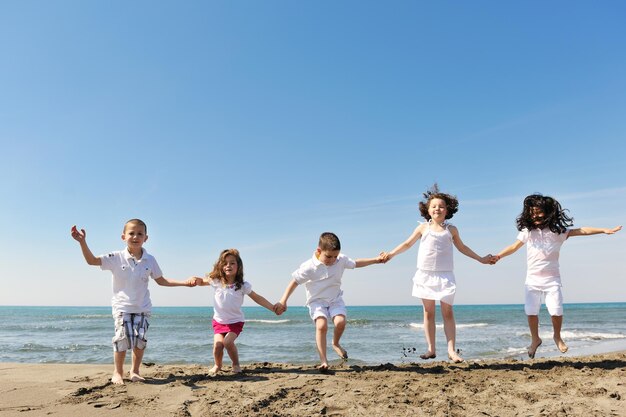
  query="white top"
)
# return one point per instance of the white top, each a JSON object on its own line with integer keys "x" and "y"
{"x": 322, "y": 283}
{"x": 227, "y": 302}
{"x": 435, "y": 251}
{"x": 130, "y": 280}
{"x": 542, "y": 255}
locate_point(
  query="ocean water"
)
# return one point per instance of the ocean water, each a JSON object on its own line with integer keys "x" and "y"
{"x": 374, "y": 335}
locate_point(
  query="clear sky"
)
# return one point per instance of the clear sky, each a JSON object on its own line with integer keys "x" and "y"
{"x": 260, "y": 124}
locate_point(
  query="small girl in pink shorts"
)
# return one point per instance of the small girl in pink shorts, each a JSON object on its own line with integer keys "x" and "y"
{"x": 226, "y": 278}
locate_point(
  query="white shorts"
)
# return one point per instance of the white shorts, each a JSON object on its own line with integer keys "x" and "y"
{"x": 327, "y": 309}
{"x": 553, "y": 299}
{"x": 130, "y": 331}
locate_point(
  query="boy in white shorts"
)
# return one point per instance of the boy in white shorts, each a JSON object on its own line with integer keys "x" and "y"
{"x": 132, "y": 269}
{"x": 544, "y": 227}
{"x": 321, "y": 276}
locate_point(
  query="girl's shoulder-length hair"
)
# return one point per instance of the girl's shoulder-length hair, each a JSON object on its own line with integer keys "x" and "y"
{"x": 218, "y": 268}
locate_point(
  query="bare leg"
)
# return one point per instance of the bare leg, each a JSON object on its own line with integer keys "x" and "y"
{"x": 321, "y": 328}
{"x": 118, "y": 373}
{"x": 557, "y": 323}
{"x": 533, "y": 325}
{"x": 429, "y": 328}
{"x": 218, "y": 353}
{"x": 137, "y": 358}
{"x": 449, "y": 328}
{"x": 231, "y": 348}
{"x": 340, "y": 326}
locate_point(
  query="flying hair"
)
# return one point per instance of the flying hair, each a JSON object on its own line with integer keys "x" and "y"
{"x": 555, "y": 217}
{"x": 452, "y": 204}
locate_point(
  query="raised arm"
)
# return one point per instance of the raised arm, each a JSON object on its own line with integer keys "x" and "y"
{"x": 404, "y": 246}
{"x": 80, "y": 237}
{"x": 465, "y": 250}
{"x": 588, "y": 231}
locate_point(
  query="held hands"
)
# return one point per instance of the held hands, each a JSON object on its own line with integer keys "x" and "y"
{"x": 279, "y": 308}
{"x": 489, "y": 259}
{"x": 384, "y": 257}
{"x": 193, "y": 281}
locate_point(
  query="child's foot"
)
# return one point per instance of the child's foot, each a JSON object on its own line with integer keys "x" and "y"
{"x": 454, "y": 357}
{"x": 560, "y": 344}
{"x": 323, "y": 368}
{"x": 532, "y": 349}
{"x": 343, "y": 354}
{"x": 135, "y": 377}
{"x": 213, "y": 371}
{"x": 117, "y": 379}
{"x": 428, "y": 355}
{"x": 236, "y": 369}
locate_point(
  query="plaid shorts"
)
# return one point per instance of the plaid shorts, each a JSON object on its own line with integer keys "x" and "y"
{"x": 130, "y": 331}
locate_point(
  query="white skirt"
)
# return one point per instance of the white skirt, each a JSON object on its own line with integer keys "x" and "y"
{"x": 434, "y": 285}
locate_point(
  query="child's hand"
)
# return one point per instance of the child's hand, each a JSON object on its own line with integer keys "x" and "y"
{"x": 384, "y": 257}
{"x": 613, "y": 230}
{"x": 191, "y": 282}
{"x": 279, "y": 308}
{"x": 492, "y": 259}
{"x": 78, "y": 236}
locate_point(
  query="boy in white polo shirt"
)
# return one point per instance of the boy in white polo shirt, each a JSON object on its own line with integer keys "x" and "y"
{"x": 132, "y": 269}
{"x": 321, "y": 276}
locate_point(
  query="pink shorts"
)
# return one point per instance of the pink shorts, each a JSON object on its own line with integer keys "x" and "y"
{"x": 219, "y": 328}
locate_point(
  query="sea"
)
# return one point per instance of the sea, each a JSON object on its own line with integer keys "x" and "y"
{"x": 374, "y": 334}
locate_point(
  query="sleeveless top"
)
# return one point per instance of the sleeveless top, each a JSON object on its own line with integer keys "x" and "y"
{"x": 435, "y": 251}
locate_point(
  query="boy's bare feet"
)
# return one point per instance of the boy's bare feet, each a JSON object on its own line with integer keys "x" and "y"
{"x": 560, "y": 344}
{"x": 117, "y": 379}
{"x": 454, "y": 357}
{"x": 237, "y": 369}
{"x": 213, "y": 371}
{"x": 134, "y": 377}
{"x": 428, "y": 355}
{"x": 532, "y": 349}
{"x": 343, "y": 354}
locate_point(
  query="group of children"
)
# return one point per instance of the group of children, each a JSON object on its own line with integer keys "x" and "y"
{"x": 543, "y": 227}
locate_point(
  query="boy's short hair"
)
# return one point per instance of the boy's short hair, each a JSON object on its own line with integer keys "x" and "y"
{"x": 329, "y": 241}
{"x": 137, "y": 221}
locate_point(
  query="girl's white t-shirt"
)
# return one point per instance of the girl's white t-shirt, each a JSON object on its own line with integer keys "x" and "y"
{"x": 542, "y": 256}
{"x": 227, "y": 302}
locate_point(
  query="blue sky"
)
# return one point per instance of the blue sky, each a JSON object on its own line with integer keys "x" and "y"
{"x": 259, "y": 125}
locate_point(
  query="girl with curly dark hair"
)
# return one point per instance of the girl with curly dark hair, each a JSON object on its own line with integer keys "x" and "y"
{"x": 544, "y": 226}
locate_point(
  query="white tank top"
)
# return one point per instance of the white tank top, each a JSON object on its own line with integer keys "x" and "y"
{"x": 435, "y": 251}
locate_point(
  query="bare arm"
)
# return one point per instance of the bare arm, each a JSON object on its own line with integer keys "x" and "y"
{"x": 80, "y": 237}
{"x": 510, "y": 249}
{"x": 588, "y": 231}
{"x": 288, "y": 291}
{"x": 464, "y": 249}
{"x": 262, "y": 301}
{"x": 167, "y": 282}
{"x": 404, "y": 246}
{"x": 368, "y": 261}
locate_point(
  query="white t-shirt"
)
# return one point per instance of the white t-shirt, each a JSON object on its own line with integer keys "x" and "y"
{"x": 227, "y": 302}
{"x": 130, "y": 280}
{"x": 542, "y": 254}
{"x": 322, "y": 283}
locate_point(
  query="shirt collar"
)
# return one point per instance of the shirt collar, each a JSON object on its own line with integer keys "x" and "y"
{"x": 127, "y": 255}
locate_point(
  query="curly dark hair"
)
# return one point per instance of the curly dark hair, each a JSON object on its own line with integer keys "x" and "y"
{"x": 218, "y": 268}
{"x": 554, "y": 217}
{"x": 452, "y": 204}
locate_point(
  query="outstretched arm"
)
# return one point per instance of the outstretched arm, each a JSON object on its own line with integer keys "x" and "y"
{"x": 167, "y": 282}
{"x": 510, "y": 249}
{"x": 369, "y": 261}
{"x": 80, "y": 237}
{"x": 404, "y": 246}
{"x": 465, "y": 250}
{"x": 588, "y": 231}
{"x": 262, "y": 301}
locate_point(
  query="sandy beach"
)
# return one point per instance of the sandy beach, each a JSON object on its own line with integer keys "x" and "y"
{"x": 575, "y": 386}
